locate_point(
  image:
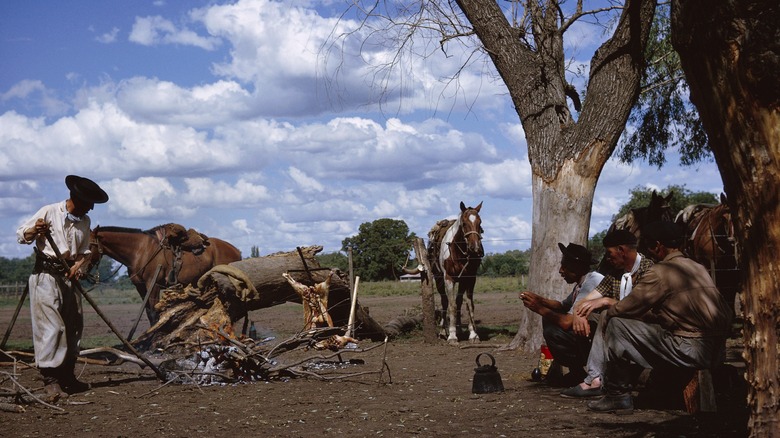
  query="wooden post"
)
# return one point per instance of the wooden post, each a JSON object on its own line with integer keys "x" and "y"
{"x": 351, "y": 322}
{"x": 351, "y": 272}
{"x": 699, "y": 394}
{"x": 426, "y": 291}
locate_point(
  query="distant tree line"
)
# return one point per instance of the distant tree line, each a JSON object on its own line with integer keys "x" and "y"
{"x": 381, "y": 247}
{"x": 19, "y": 270}
{"x": 16, "y": 270}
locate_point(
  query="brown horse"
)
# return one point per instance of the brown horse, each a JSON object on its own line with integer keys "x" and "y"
{"x": 143, "y": 251}
{"x": 710, "y": 241}
{"x": 455, "y": 252}
{"x": 657, "y": 210}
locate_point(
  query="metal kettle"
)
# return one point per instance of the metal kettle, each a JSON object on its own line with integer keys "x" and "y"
{"x": 486, "y": 377}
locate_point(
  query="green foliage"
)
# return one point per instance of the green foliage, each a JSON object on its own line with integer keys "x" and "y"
{"x": 15, "y": 270}
{"x": 379, "y": 249}
{"x": 640, "y": 197}
{"x": 255, "y": 252}
{"x": 333, "y": 260}
{"x": 510, "y": 263}
{"x": 663, "y": 116}
{"x": 595, "y": 246}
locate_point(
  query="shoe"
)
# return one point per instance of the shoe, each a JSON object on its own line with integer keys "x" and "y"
{"x": 620, "y": 404}
{"x": 75, "y": 386}
{"x": 579, "y": 392}
{"x": 574, "y": 378}
{"x": 54, "y": 392}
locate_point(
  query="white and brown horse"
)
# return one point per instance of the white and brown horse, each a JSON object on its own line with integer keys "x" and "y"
{"x": 455, "y": 253}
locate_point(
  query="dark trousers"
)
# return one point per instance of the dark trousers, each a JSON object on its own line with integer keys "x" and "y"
{"x": 651, "y": 346}
{"x": 568, "y": 349}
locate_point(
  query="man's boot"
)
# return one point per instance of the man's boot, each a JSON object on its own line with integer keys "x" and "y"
{"x": 68, "y": 380}
{"x": 52, "y": 386}
{"x": 618, "y": 386}
{"x": 620, "y": 404}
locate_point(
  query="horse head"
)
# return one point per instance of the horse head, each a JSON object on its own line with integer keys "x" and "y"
{"x": 471, "y": 226}
{"x": 95, "y": 249}
{"x": 659, "y": 209}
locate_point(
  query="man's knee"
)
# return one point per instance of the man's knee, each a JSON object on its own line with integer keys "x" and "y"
{"x": 554, "y": 334}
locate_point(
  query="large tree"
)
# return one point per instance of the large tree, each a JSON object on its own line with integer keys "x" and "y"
{"x": 525, "y": 42}
{"x": 379, "y": 249}
{"x": 730, "y": 52}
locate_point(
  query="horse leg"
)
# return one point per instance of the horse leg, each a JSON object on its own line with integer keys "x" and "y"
{"x": 444, "y": 304}
{"x": 452, "y": 312}
{"x": 468, "y": 294}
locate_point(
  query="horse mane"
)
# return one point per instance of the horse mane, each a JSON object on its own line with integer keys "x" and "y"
{"x": 158, "y": 227}
{"x": 114, "y": 229}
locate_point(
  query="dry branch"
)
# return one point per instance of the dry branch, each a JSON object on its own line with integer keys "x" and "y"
{"x": 226, "y": 294}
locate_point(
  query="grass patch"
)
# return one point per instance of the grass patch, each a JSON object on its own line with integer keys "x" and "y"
{"x": 107, "y": 295}
{"x": 396, "y": 288}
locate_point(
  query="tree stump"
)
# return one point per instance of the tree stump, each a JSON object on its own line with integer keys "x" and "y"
{"x": 192, "y": 316}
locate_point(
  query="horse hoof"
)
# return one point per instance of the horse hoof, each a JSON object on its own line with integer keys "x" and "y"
{"x": 452, "y": 341}
{"x": 475, "y": 340}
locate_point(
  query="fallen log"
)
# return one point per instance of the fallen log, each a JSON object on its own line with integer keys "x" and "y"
{"x": 227, "y": 293}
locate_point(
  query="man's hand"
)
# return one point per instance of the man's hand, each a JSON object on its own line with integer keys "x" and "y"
{"x": 40, "y": 228}
{"x": 531, "y": 300}
{"x": 584, "y": 308}
{"x": 580, "y": 326}
{"x": 76, "y": 271}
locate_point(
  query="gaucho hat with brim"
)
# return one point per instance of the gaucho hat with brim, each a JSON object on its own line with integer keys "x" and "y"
{"x": 577, "y": 253}
{"x": 85, "y": 189}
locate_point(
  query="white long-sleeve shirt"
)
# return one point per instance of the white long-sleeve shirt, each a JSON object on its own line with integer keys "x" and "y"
{"x": 71, "y": 237}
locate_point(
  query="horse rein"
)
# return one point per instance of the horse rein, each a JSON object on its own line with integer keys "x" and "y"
{"x": 460, "y": 243}
{"x": 97, "y": 243}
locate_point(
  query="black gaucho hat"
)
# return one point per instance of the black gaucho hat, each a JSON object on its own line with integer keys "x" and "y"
{"x": 577, "y": 253}
{"x": 85, "y": 189}
{"x": 619, "y": 237}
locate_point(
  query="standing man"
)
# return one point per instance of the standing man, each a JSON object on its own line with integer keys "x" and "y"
{"x": 566, "y": 334}
{"x": 630, "y": 266}
{"x": 55, "y": 305}
{"x": 674, "y": 317}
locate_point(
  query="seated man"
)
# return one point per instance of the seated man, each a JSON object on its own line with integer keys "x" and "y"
{"x": 566, "y": 334}
{"x": 674, "y": 316}
{"x": 629, "y": 267}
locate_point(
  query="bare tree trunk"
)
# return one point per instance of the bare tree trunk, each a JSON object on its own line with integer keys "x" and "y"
{"x": 566, "y": 156}
{"x": 730, "y": 52}
{"x": 426, "y": 293}
{"x": 561, "y": 213}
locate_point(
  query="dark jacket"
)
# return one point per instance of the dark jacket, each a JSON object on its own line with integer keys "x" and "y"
{"x": 680, "y": 296}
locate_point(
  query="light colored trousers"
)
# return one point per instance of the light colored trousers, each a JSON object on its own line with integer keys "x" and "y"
{"x": 57, "y": 321}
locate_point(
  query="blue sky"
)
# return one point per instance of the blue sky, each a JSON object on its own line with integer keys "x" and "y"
{"x": 231, "y": 118}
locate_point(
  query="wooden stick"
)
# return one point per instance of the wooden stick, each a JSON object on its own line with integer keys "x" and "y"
{"x": 149, "y": 289}
{"x": 16, "y": 314}
{"x": 351, "y": 323}
{"x": 94, "y": 305}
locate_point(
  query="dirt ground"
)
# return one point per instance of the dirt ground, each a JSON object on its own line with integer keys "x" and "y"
{"x": 427, "y": 392}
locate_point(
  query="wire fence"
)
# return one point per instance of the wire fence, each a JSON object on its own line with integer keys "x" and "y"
{"x": 12, "y": 290}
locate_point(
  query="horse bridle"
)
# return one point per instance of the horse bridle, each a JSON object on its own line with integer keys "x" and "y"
{"x": 96, "y": 242}
{"x": 478, "y": 232}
